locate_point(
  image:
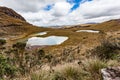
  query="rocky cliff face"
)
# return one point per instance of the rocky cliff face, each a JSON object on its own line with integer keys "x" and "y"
{"x": 11, "y": 13}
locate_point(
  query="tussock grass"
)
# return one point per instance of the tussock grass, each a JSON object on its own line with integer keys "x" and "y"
{"x": 43, "y": 75}
{"x": 93, "y": 67}
{"x": 65, "y": 73}
{"x": 88, "y": 70}
{"x": 57, "y": 76}
{"x": 72, "y": 73}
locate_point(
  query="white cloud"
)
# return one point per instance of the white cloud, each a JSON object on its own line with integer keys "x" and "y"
{"x": 93, "y": 11}
{"x": 99, "y": 8}
{"x": 61, "y": 8}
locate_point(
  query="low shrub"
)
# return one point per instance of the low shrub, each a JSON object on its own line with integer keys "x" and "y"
{"x": 2, "y": 41}
{"x": 19, "y": 45}
{"x": 107, "y": 50}
{"x": 6, "y": 69}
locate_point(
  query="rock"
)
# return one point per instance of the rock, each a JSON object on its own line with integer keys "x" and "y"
{"x": 111, "y": 73}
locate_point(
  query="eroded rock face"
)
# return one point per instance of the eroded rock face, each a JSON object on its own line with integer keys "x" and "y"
{"x": 111, "y": 73}
{"x": 11, "y": 13}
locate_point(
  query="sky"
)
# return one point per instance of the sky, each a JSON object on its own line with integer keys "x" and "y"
{"x": 65, "y": 12}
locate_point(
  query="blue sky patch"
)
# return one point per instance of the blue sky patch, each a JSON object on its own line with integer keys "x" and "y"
{"x": 76, "y": 3}
{"x": 48, "y": 7}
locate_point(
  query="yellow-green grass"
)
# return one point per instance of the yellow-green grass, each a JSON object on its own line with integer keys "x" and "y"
{"x": 75, "y": 38}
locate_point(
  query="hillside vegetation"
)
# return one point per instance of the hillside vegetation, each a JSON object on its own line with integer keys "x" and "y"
{"x": 66, "y": 64}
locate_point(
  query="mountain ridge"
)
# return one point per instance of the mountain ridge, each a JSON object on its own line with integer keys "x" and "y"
{"x": 11, "y": 13}
{"x": 13, "y": 24}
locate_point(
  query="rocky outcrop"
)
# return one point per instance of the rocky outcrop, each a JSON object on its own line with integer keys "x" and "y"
{"x": 11, "y": 13}
{"x": 111, "y": 73}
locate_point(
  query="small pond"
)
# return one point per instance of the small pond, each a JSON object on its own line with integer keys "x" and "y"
{"x": 41, "y": 33}
{"x": 42, "y": 41}
{"x": 90, "y": 31}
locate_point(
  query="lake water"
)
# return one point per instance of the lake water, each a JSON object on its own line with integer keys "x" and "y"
{"x": 90, "y": 31}
{"x": 41, "y": 33}
{"x": 42, "y": 41}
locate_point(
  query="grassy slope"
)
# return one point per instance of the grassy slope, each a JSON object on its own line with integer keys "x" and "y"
{"x": 112, "y": 25}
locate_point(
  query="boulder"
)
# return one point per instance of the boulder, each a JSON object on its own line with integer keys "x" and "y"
{"x": 111, "y": 73}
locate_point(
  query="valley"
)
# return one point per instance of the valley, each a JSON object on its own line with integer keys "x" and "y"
{"x": 76, "y": 52}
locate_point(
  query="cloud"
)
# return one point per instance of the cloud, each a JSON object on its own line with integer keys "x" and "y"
{"x": 100, "y": 8}
{"x": 84, "y": 11}
{"x": 23, "y": 5}
{"x": 61, "y": 9}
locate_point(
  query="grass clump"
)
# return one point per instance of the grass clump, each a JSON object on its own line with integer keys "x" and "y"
{"x": 72, "y": 73}
{"x": 65, "y": 73}
{"x": 43, "y": 75}
{"x": 58, "y": 76}
{"x": 93, "y": 67}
